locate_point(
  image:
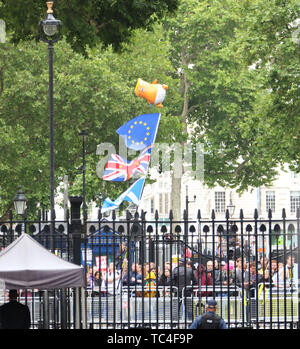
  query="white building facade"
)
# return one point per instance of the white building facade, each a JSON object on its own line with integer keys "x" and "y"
{"x": 283, "y": 194}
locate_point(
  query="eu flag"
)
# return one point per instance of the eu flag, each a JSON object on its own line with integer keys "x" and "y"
{"x": 140, "y": 131}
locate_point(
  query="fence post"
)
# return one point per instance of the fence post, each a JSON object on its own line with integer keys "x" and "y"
{"x": 298, "y": 262}
{"x": 76, "y": 202}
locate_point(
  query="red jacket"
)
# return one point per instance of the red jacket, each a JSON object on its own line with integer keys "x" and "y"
{"x": 204, "y": 279}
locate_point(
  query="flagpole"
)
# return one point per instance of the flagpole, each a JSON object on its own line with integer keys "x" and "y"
{"x": 156, "y": 128}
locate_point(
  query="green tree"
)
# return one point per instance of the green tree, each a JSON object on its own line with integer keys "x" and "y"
{"x": 269, "y": 44}
{"x": 95, "y": 93}
{"x": 85, "y": 23}
{"x": 226, "y": 102}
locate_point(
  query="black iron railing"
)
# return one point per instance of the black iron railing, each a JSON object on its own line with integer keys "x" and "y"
{"x": 160, "y": 274}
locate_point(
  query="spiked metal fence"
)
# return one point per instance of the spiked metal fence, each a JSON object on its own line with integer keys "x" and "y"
{"x": 160, "y": 273}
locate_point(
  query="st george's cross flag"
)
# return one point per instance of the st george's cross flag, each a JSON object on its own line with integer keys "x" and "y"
{"x": 140, "y": 132}
{"x": 132, "y": 194}
{"x": 120, "y": 170}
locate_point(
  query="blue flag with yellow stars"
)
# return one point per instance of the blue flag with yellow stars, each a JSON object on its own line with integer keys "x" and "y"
{"x": 140, "y": 132}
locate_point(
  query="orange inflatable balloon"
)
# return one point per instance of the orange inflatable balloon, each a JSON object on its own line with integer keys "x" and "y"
{"x": 153, "y": 93}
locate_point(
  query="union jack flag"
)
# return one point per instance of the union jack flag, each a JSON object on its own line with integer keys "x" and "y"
{"x": 120, "y": 170}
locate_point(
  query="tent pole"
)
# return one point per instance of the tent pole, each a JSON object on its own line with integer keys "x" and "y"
{"x": 83, "y": 308}
{"x": 63, "y": 309}
{"x": 77, "y": 309}
{"x": 46, "y": 310}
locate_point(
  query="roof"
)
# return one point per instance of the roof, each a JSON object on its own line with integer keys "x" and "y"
{"x": 25, "y": 263}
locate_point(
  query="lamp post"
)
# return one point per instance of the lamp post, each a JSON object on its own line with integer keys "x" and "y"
{"x": 187, "y": 201}
{"x": 20, "y": 202}
{"x": 232, "y": 231}
{"x": 50, "y": 33}
{"x": 186, "y": 218}
{"x": 83, "y": 134}
{"x": 20, "y": 207}
{"x": 231, "y": 207}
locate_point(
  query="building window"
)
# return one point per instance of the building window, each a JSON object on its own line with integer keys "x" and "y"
{"x": 152, "y": 205}
{"x": 160, "y": 203}
{"x": 295, "y": 200}
{"x": 166, "y": 203}
{"x": 295, "y": 175}
{"x": 270, "y": 201}
{"x": 163, "y": 203}
{"x": 220, "y": 201}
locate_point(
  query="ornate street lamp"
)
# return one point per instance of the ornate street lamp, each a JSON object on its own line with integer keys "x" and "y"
{"x": 50, "y": 33}
{"x": 51, "y": 25}
{"x": 231, "y": 207}
{"x": 20, "y": 202}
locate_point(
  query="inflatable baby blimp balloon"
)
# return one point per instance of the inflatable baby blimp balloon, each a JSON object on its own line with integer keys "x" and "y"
{"x": 153, "y": 93}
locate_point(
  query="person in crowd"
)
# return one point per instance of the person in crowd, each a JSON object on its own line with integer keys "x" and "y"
{"x": 89, "y": 277}
{"x": 152, "y": 267}
{"x": 264, "y": 270}
{"x": 159, "y": 272}
{"x": 264, "y": 265}
{"x": 182, "y": 278}
{"x": 136, "y": 279}
{"x": 151, "y": 283}
{"x": 274, "y": 272}
{"x": 14, "y": 315}
{"x": 203, "y": 279}
{"x": 277, "y": 278}
{"x": 97, "y": 278}
{"x": 238, "y": 273}
{"x": 167, "y": 265}
{"x": 96, "y": 283}
{"x": 221, "y": 249}
{"x": 216, "y": 264}
{"x": 121, "y": 259}
{"x": 113, "y": 277}
{"x": 165, "y": 278}
{"x": 209, "y": 320}
{"x": 252, "y": 278}
{"x": 125, "y": 275}
{"x": 146, "y": 269}
{"x": 237, "y": 251}
{"x": 274, "y": 266}
{"x": 224, "y": 279}
{"x": 246, "y": 251}
{"x": 288, "y": 274}
{"x": 214, "y": 273}
{"x": 135, "y": 275}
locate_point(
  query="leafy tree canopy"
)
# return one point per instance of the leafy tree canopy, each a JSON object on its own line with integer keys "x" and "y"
{"x": 95, "y": 93}
{"x": 85, "y": 23}
{"x": 239, "y": 69}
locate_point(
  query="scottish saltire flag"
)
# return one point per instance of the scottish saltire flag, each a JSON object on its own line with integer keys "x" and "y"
{"x": 140, "y": 132}
{"x": 132, "y": 194}
{"x": 120, "y": 170}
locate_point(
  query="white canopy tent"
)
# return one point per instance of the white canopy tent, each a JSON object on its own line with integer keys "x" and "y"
{"x": 25, "y": 263}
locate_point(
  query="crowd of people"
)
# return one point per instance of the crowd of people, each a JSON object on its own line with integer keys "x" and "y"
{"x": 109, "y": 281}
{"x": 215, "y": 272}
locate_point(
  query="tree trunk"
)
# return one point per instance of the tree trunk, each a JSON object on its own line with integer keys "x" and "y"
{"x": 177, "y": 182}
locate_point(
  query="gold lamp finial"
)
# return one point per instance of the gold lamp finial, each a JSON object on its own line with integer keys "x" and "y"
{"x": 49, "y": 4}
